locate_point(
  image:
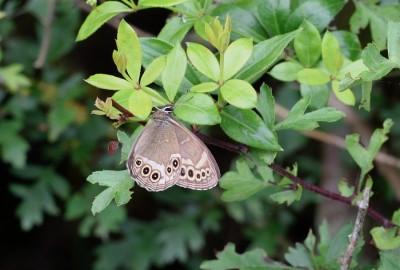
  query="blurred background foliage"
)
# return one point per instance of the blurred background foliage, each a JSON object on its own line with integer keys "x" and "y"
{"x": 49, "y": 144}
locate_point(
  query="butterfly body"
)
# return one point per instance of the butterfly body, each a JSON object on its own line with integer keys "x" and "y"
{"x": 166, "y": 153}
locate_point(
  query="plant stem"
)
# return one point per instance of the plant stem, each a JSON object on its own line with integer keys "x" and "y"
{"x": 243, "y": 149}
{"x": 362, "y": 210}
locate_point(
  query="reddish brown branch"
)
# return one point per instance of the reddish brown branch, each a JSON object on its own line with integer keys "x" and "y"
{"x": 240, "y": 148}
{"x": 125, "y": 112}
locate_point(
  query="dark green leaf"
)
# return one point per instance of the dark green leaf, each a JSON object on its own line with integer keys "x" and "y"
{"x": 273, "y": 15}
{"x": 229, "y": 259}
{"x": 319, "y": 95}
{"x": 264, "y": 55}
{"x": 175, "y": 30}
{"x": 244, "y": 23}
{"x": 318, "y": 12}
{"x": 297, "y": 120}
{"x": 240, "y": 184}
{"x": 364, "y": 156}
{"x": 389, "y": 260}
{"x": 247, "y": 127}
{"x": 266, "y": 105}
{"x": 349, "y": 44}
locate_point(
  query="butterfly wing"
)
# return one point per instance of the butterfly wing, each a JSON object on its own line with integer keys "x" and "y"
{"x": 154, "y": 159}
{"x": 198, "y": 170}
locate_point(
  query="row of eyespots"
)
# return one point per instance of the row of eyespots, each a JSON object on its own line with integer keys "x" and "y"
{"x": 172, "y": 166}
{"x": 153, "y": 175}
{"x": 193, "y": 174}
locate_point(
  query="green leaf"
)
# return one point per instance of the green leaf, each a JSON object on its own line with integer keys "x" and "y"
{"x": 174, "y": 71}
{"x": 364, "y": 156}
{"x": 102, "y": 200}
{"x": 286, "y": 71}
{"x": 14, "y": 148}
{"x": 318, "y": 12}
{"x": 158, "y": 3}
{"x": 312, "y": 76}
{"x": 378, "y": 65}
{"x": 157, "y": 98}
{"x": 247, "y": 127}
{"x": 288, "y": 196}
{"x": 349, "y": 44}
{"x": 239, "y": 93}
{"x": 244, "y": 22}
{"x": 108, "y": 82}
{"x": 101, "y": 14}
{"x": 264, "y": 55}
{"x": 386, "y": 239}
{"x": 229, "y": 259}
{"x": 127, "y": 141}
{"x": 38, "y": 199}
{"x": 331, "y": 55}
{"x": 376, "y": 16}
{"x": 175, "y": 30}
{"x": 197, "y": 108}
{"x": 396, "y": 217}
{"x": 122, "y": 97}
{"x": 128, "y": 44}
{"x": 273, "y": 16}
{"x": 389, "y": 260}
{"x": 345, "y": 96}
{"x": 59, "y": 118}
{"x": 366, "y": 89}
{"x": 297, "y": 120}
{"x": 240, "y": 184}
{"x": 307, "y": 45}
{"x": 154, "y": 70}
{"x": 266, "y": 105}
{"x": 205, "y": 87}
{"x": 235, "y": 56}
{"x": 299, "y": 257}
{"x": 178, "y": 235}
{"x": 118, "y": 184}
{"x": 13, "y": 78}
{"x": 140, "y": 104}
{"x": 393, "y": 42}
{"x": 319, "y": 94}
{"x": 203, "y": 60}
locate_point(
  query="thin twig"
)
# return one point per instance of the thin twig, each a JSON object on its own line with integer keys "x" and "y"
{"x": 125, "y": 112}
{"x": 329, "y": 194}
{"x": 48, "y": 26}
{"x": 240, "y": 148}
{"x": 362, "y": 210}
